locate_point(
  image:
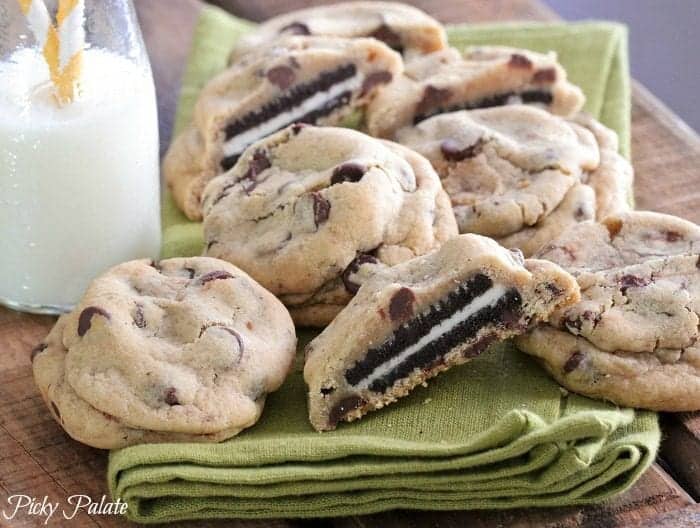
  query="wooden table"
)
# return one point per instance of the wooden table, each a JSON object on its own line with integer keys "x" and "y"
{"x": 37, "y": 458}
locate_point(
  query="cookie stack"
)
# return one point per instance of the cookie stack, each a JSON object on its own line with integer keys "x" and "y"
{"x": 633, "y": 338}
{"x": 404, "y": 238}
{"x": 522, "y": 175}
{"x": 184, "y": 350}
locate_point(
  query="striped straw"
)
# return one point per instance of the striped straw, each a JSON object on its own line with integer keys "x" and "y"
{"x": 44, "y": 32}
{"x": 71, "y": 35}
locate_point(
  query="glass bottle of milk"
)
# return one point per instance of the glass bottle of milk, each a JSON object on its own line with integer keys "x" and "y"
{"x": 79, "y": 183}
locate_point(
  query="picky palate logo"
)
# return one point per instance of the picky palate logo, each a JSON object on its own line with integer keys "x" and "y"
{"x": 19, "y": 505}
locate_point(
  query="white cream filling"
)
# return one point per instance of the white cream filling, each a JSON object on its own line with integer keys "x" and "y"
{"x": 488, "y": 298}
{"x": 239, "y": 143}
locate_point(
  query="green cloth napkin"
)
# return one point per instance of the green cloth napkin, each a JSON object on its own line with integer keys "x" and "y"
{"x": 494, "y": 433}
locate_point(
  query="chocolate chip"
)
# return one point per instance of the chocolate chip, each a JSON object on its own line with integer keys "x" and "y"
{"x": 573, "y": 362}
{"x": 139, "y": 319}
{"x": 519, "y": 61}
{"x": 281, "y": 76}
{"x": 347, "y": 172}
{"x": 354, "y": 267}
{"x": 155, "y": 265}
{"x": 546, "y": 75}
{"x": 673, "y": 236}
{"x": 375, "y": 79}
{"x": 170, "y": 396}
{"x": 215, "y": 275}
{"x": 632, "y": 281}
{"x": 322, "y": 208}
{"x": 432, "y": 97}
{"x": 297, "y": 127}
{"x": 389, "y": 37}
{"x": 296, "y": 28}
{"x": 614, "y": 226}
{"x": 554, "y": 290}
{"x": 453, "y": 151}
{"x": 37, "y": 350}
{"x": 697, "y": 263}
{"x": 190, "y": 272}
{"x": 56, "y": 412}
{"x": 343, "y": 408}
{"x": 258, "y": 164}
{"x": 401, "y": 304}
{"x": 85, "y": 318}
{"x": 573, "y": 324}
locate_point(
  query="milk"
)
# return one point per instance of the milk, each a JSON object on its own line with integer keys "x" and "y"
{"x": 79, "y": 185}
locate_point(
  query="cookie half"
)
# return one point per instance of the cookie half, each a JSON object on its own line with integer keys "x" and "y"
{"x": 410, "y": 322}
{"x": 180, "y": 350}
{"x": 447, "y": 80}
{"x": 522, "y": 175}
{"x": 404, "y": 28}
{"x": 298, "y": 79}
{"x": 309, "y": 210}
{"x": 633, "y": 337}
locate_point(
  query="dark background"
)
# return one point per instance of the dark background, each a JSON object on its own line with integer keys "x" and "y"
{"x": 664, "y": 45}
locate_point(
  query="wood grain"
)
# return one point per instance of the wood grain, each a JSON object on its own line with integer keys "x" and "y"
{"x": 37, "y": 457}
{"x": 689, "y": 516}
{"x": 681, "y": 449}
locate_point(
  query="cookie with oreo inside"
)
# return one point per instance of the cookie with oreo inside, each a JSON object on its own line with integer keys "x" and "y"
{"x": 410, "y": 322}
{"x": 296, "y": 79}
{"x": 480, "y": 77}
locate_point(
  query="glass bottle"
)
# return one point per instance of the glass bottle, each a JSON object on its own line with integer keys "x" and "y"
{"x": 79, "y": 182}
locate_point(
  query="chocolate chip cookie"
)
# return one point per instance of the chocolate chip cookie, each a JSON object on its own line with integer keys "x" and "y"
{"x": 184, "y": 349}
{"x": 482, "y": 77}
{"x": 297, "y": 79}
{"x": 520, "y": 174}
{"x": 310, "y": 211}
{"x": 410, "y": 322}
{"x": 633, "y": 338}
{"x": 402, "y": 27}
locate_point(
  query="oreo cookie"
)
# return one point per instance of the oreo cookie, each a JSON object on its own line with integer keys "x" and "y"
{"x": 539, "y": 96}
{"x": 416, "y": 319}
{"x": 301, "y": 103}
{"x": 454, "y": 320}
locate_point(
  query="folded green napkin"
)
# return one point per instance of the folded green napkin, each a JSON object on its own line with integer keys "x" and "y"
{"x": 494, "y": 433}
